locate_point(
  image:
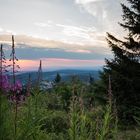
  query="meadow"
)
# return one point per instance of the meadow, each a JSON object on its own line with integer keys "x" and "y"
{"x": 71, "y": 110}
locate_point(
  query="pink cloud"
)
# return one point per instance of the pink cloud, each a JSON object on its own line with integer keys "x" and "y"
{"x": 79, "y": 51}
{"x": 55, "y": 63}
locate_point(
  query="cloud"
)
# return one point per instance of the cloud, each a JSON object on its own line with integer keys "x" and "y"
{"x": 75, "y": 34}
{"x": 81, "y": 32}
{"x": 44, "y": 24}
{"x": 7, "y": 31}
{"x": 10, "y": 32}
{"x": 29, "y": 40}
{"x": 79, "y": 51}
{"x": 107, "y": 13}
{"x": 39, "y": 48}
{"x": 1, "y": 29}
{"x": 37, "y": 42}
{"x": 85, "y": 1}
{"x": 55, "y": 54}
{"x": 41, "y": 24}
{"x": 84, "y": 35}
{"x": 93, "y": 7}
{"x": 55, "y": 63}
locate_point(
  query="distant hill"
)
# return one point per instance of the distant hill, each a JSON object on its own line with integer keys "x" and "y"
{"x": 65, "y": 74}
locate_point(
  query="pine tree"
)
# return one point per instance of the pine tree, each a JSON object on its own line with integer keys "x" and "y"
{"x": 91, "y": 79}
{"x": 124, "y": 68}
{"x": 57, "y": 78}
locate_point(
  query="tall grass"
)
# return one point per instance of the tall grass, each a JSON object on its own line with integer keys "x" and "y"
{"x": 6, "y": 123}
{"x": 87, "y": 127}
{"x": 89, "y": 124}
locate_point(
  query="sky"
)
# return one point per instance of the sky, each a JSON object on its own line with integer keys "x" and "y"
{"x": 61, "y": 33}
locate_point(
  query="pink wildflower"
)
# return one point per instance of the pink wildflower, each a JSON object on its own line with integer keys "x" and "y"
{"x": 5, "y": 85}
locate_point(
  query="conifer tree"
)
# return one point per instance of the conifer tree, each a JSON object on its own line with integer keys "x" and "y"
{"x": 91, "y": 79}
{"x": 124, "y": 68}
{"x": 57, "y": 78}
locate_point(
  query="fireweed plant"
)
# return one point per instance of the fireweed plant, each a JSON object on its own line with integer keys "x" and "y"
{"x": 16, "y": 86}
{"x": 4, "y": 81}
{"x": 92, "y": 124}
{"x": 4, "y": 86}
{"x": 10, "y": 92}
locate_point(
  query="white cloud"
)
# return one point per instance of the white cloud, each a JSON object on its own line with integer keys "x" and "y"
{"x": 80, "y": 32}
{"x": 40, "y": 24}
{"x": 10, "y": 32}
{"x": 84, "y": 35}
{"x": 85, "y": 1}
{"x": 7, "y": 31}
{"x": 81, "y": 35}
{"x": 1, "y": 29}
{"x": 107, "y": 13}
{"x": 93, "y": 7}
{"x": 43, "y": 24}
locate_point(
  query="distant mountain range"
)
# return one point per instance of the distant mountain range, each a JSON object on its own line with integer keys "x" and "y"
{"x": 65, "y": 75}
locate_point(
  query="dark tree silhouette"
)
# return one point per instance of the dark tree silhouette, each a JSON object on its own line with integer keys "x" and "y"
{"x": 124, "y": 68}
{"x": 57, "y": 78}
{"x": 91, "y": 79}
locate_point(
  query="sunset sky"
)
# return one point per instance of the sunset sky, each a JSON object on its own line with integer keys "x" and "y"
{"x": 62, "y": 33}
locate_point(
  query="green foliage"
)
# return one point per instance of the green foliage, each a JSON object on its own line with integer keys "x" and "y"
{"x": 6, "y": 115}
{"x": 55, "y": 122}
{"x": 63, "y": 91}
{"x": 108, "y": 129}
{"x": 93, "y": 124}
{"x": 43, "y": 116}
{"x": 30, "y": 118}
{"x": 78, "y": 121}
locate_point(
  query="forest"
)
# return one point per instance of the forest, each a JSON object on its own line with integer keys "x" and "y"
{"x": 104, "y": 109}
